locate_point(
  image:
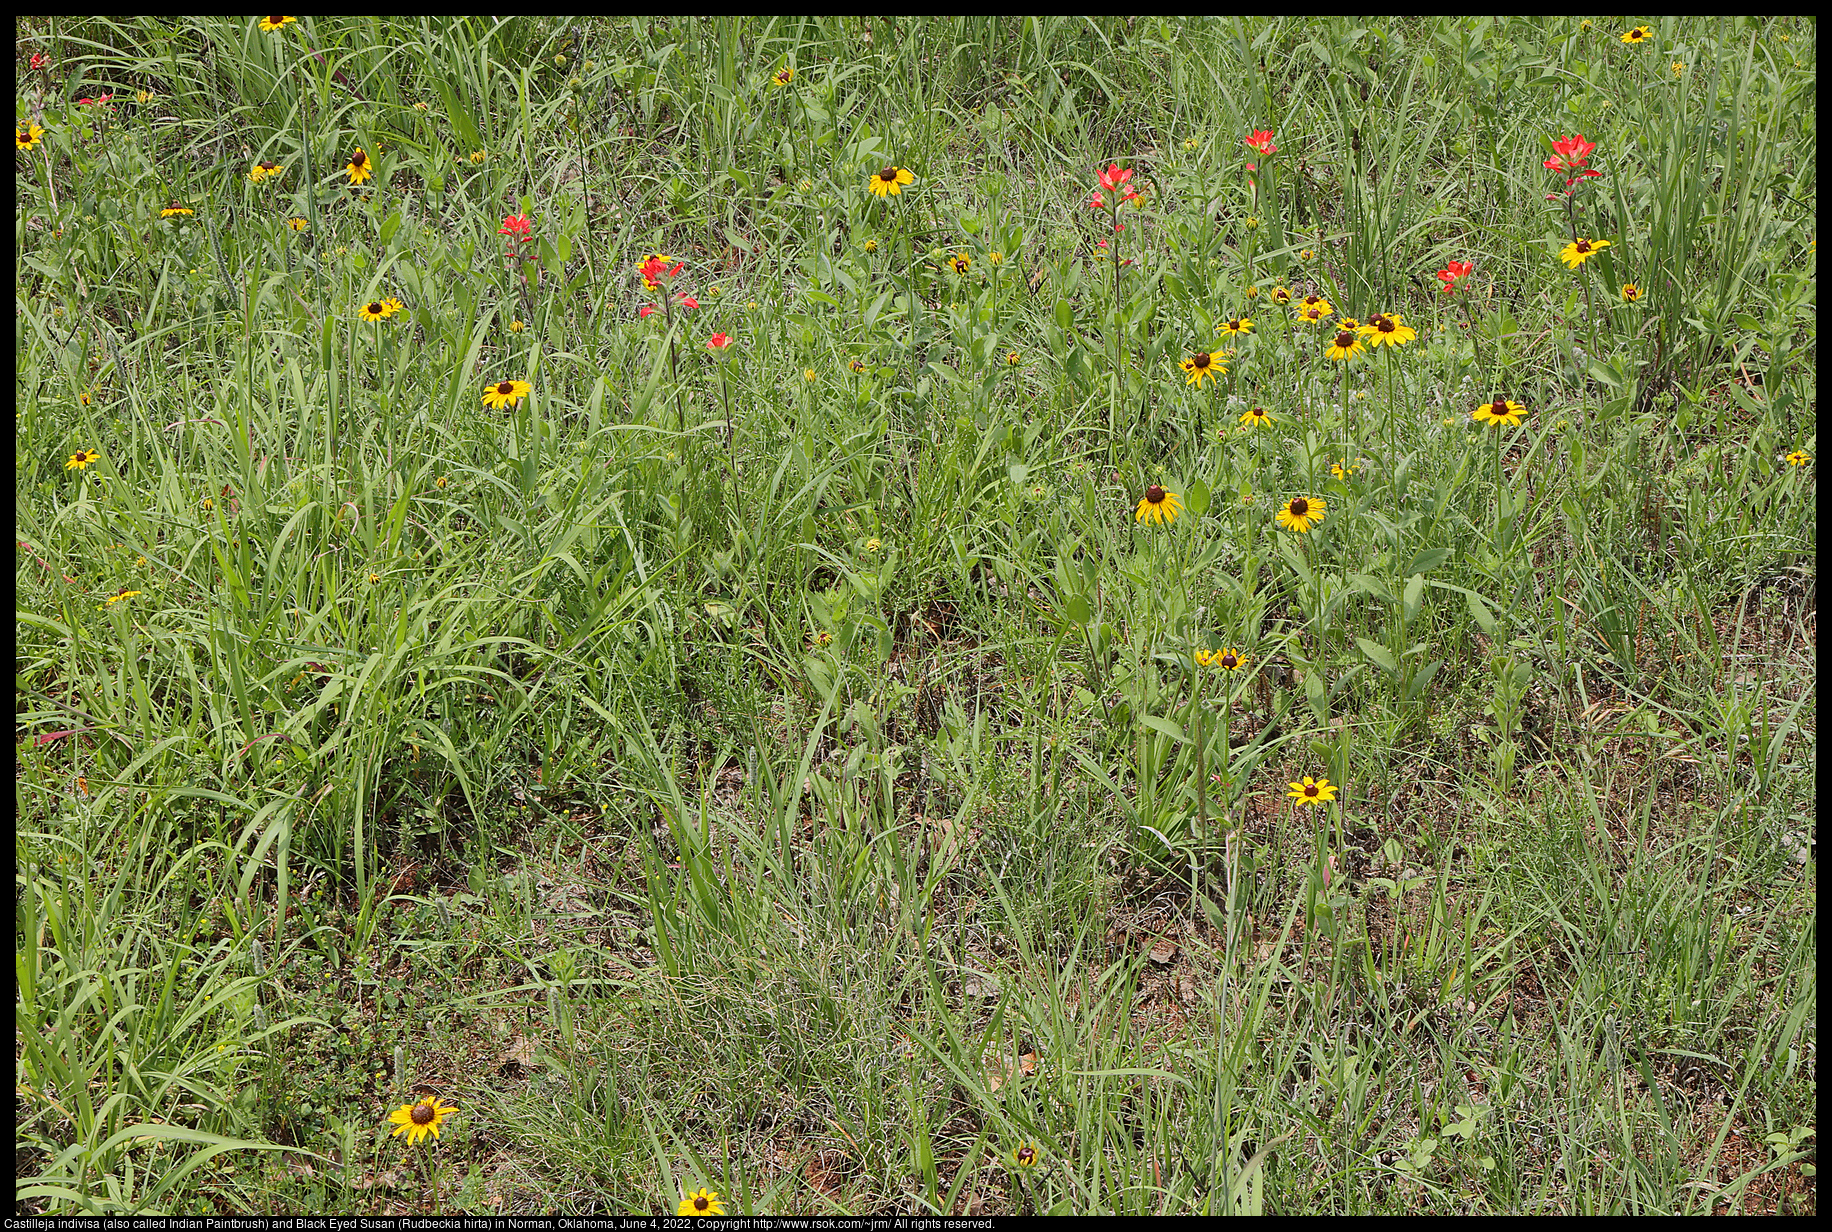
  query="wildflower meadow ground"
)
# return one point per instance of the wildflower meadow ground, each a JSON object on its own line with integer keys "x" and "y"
{"x": 879, "y": 616}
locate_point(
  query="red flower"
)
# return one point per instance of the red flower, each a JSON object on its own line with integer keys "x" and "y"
{"x": 1261, "y": 141}
{"x": 655, "y": 270}
{"x": 718, "y": 342}
{"x": 94, "y": 102}
{"x": 1113, "y": 178}
{"x": 687, "y": 301}
{"x": 40, "y": 61}
{"x": 1570, "y": 154}
{"x": 646, "y": 310}
{"x": 1453, "y": 276}
{"x": 1097, "y": 202}
{"x": 520, "y": 226}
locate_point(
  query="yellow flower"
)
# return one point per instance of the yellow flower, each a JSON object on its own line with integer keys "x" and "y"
{"x": 392, "y": 305}
{"x": 995, "y": 257}
{"x": 29, "y": 135}
{"x": 1252, "y": 223}
{"x": 823, "y": 638}
{"x": 889, "y": 182}
{"x": 516, "y": 327}
{"x": 421, "y": 1119}
{"x": 1158, "y": 506}
{"x": 1025, "y": 1156}
{"x": 857, "y": 365}
{"x": 1341, "y": 471}
{"x": 297, "y": 224}
{"x": 111, "y": 600}
{"x": 783, "y": 76}
{"x": 1229, "y": 660}
{"x": 1317, "y": 302}
{"x": 81, "y": 459}
{"x": 1252, "y": 292}
{"x": 960, "y": 263}
{"x": 1581, "y": 250}
{"x": 478, "y": 156}
{"x": 1640, "y": 34}
{"x": 1499, "y": 411}
{"x": 265, "y": 171}
{"x": 1300, "y": 513}
{"x": 871, "y": 245}
{"x": 1799, "y": 457}
{"x": 1013, "y": 359}
{"x": 1257, "y": 417}
{"x": 1312, "y": 791}
{"x": 359, "y": 167}
{"x": 374, "y": 310}
{"x": 873, "y": 545}
{"x": 1281, "y": 295}
{"x": 809, "y": 374}
{"x": 705, "y": 1202}
{"x": 1385, "y": 330}
{"x": 505, "y": 393}
{"x": 1346, "y": 346}
{"x": 1309, "y": 254}
{"x": 1679, "y": 70}
{"x": 1237, "y": 327}
{"x": 1201, "y": 366}
{"x": 1630, "y": 292}
{"x": 274, "y": 23}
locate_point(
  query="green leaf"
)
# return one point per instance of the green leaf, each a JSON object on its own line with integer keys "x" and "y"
{"x": 1167, "y": 726}
{"x": 1076, "y": 608}
{"x": 1196, "y": 498}
{"x": 1428, "y": 559}
{"x": 1065, "y": 315}
{"x": 1479, "y": 612}
{"x": 1413, "y": 598}
{"x": 1379, "y": 655}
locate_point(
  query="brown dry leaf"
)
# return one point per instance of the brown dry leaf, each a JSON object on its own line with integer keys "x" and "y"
{"x": 999, "y": 1071}
{"x": 1162, "y": 951}
{"x": 518, "y": 1056}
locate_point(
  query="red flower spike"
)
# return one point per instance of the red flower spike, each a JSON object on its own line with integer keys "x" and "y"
{"x": 518, "y": 226}
{"x": 1261, "y": 140}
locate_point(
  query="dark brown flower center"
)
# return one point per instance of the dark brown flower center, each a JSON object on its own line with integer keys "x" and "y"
{"x": 888, "y": 175}
{"x": 1154, "y": 494}
{"x": 358, "y": 159}
{"x": 1026, "y": 1156}
{"x": 1201, "y": 360}
{"x": 1345, "y": 340}
{"x": 274, "y": 21}
{"x": 1230, "y": 661}
{"x": 1582, "y": 245}
{"x": 268, "y": 166}
{"x": 1299, "y": 507}
{"x": 506, "y": 388}
{"x": 1310, "y": 790}
{"x": 701, "y": 1202}
{"x": 422, "y": 1114}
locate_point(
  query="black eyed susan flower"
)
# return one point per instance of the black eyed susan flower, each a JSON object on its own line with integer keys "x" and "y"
{"x": 1630, "y": 293}
{"x": 478, "y": 156}
{"x": 265, "y": 171}
{"x": 1499, "y": 411}
{"x": 1341, "y": 470}
{"x": 1300, "y": 513}
{"x": 890, "y": 181}
{"x": 995, "y": 257}
{"x": 1346, "y": 346}
{"x": 29, "y": 135}
{"x": 1201, "y": 366}
{"x": 1013, "y": 359}
{"x": 1025, "y": 1156}
{"x": 857, "y": 365}
{"x": 176, "y": 211}
{"x": 782, "y": 76}
{"x": 421, "y": 1119}
{"x": 1256, "y": 418}
{"x": 376, "y": 310}
{"x": 705, "y": 1202}
{"x": 960, "y": 263}
{"x": 1581, "y": 250}
{"x": 1158, "y": 506}
{"x": 505, "y": 393}
{"x": 1638, "y": 35}
{"x": 1347, "y": 323}
{"x": 270, "y": 24}
{"x": 81, "y": 459}
{"x": 1281, "y": 295}
{"x": 297, "y": 224}
{"x": 393, "y": 305}
{"x": 359, "y": 167}
{"x": 1229, "y": 660}
{"x": 1311, "y": 316}
{"x": 86, "y": 398}
{"x": 1312, "y": 791}
{"x": 1799, "y": 457}
{"x": 1309, "y": 254}
{"x": 113, "y": 599}
{"x": 1385, "y": 330}
{"x": 1317, "y": 302}
{"x": 1236, "y": 327}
